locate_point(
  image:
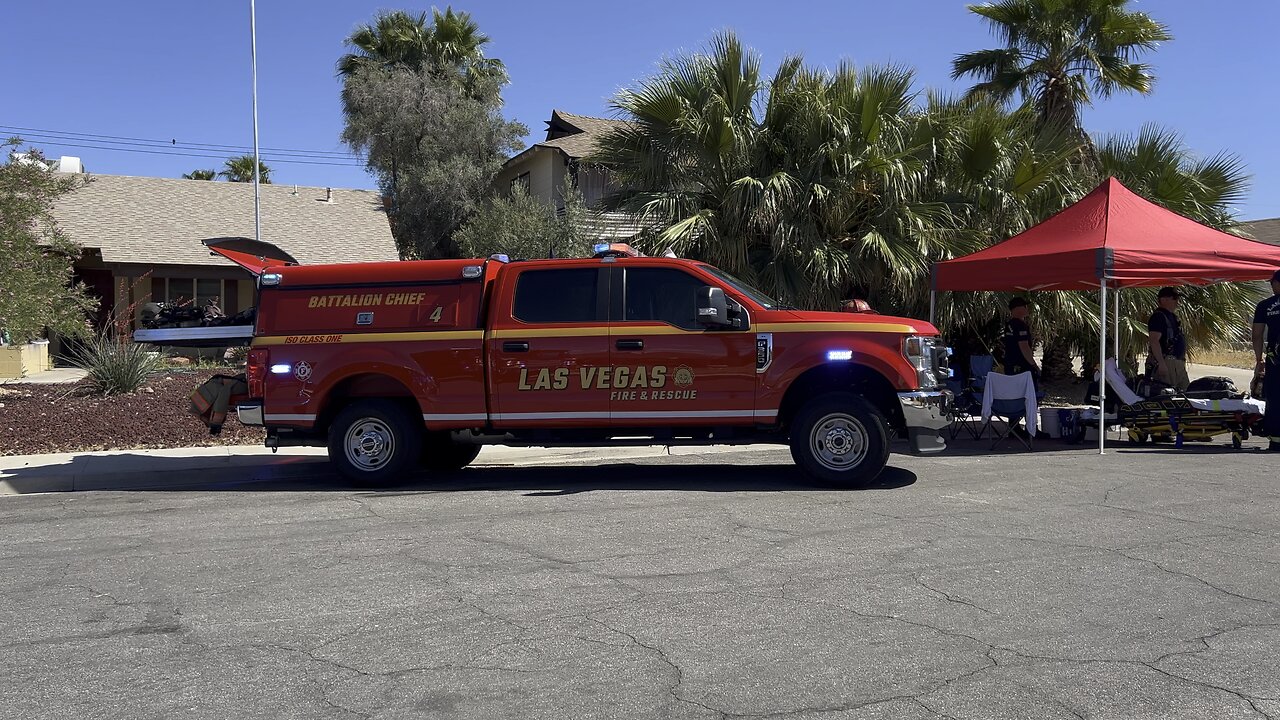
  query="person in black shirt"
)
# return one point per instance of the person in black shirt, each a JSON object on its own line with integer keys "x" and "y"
{"x": 1019, "y": 351}
{"x": 1019, "y": 356}
{"x": 1266, "y": 320}
{"x": 1168, "y": 357}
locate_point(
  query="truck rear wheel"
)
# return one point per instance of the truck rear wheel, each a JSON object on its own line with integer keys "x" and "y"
{"x": 841, "y": 439}
{"x": 443, "y": 455}
{"x": 374, "y": 442}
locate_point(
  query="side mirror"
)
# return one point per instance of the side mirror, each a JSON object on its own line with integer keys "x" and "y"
{"x": 713, "y": 307}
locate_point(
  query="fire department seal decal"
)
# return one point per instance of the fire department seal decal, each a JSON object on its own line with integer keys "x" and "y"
{"x": 683, "y": 376}
{"x": 302, "y": 371}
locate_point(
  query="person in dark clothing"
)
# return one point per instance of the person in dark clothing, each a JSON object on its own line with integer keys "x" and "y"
{"x": 1168, "y": 356}
{"x": 1266, "y": 351}
{"x": 1019, "y": 351}
{"x": 1019, "y": 346}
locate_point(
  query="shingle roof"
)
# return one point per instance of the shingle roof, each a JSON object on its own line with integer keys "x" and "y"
{"x": 1267, "y": 231}
{"x": 161, "y": 221}
{"x": 583, "y": 142}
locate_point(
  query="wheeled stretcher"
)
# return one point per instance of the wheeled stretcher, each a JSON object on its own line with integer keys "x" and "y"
{"x": 1174, "y": 418}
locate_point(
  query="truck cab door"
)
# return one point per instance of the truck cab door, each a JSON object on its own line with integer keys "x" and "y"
{"x": 548, "y": 348}
{"x": 668, "y": 369}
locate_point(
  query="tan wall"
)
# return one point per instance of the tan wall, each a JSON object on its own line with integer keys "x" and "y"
{"x": 546, "y": 171}
{"x": 18, "y": 361}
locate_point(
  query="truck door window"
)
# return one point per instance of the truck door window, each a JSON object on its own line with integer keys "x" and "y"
{"x": 664, "y": 295}
{"x": 557, "y": 296}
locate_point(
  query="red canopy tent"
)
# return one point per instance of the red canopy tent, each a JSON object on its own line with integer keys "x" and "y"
{"x": 1110, "y": 234}
{"x": 1110, "y": 238}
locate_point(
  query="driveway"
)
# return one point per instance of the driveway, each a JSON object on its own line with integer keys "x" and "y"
{"x": 1057, "y": 584}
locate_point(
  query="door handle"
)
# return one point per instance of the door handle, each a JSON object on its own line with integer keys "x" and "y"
{"x": 630, "y": 345}
{"x": 515, "y": 346}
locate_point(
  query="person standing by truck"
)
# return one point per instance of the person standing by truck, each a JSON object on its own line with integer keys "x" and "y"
{"x": 1266, "y": 351}
{"x": 1168, "y": 358}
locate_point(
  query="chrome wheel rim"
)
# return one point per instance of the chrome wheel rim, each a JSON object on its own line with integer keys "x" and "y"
{"x": 839, "y": 441}
{"x": 369, "y": 444}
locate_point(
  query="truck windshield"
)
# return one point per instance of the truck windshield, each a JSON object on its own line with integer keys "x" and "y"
{"x": 756, "y": 296}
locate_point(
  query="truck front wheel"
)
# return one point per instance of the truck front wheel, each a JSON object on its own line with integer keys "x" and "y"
{"x": 840, "y": 438}
{"x": 441, "y": 454}
{"x": 374, "y": 442}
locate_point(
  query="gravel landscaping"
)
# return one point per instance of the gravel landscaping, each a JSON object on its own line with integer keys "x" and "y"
{"x": 68, "y": 418}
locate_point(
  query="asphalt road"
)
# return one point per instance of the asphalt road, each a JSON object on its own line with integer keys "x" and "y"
{"x": 1053, "y": 585}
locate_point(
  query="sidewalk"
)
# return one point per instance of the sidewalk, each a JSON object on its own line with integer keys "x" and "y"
{"x": 237, "y": 464}
{"x": 56, "y": 376}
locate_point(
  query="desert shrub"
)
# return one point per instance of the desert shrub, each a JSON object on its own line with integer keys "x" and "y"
{"x": 115, "y": 366}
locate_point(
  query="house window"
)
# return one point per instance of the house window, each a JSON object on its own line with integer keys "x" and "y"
{"x": 520, "y": 181}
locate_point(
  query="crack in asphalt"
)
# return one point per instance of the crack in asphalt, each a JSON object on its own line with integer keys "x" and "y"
{"x": 949, "y": 597}
{"x": 1188, "y": 521}
{"x": 1190, "y": 576}
{"x": 672, "y": 689}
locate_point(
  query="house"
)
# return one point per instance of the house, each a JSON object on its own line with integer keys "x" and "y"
{"x": 1267, "y": 231}
{"x": 142, "y": 235}
{"x": 542, "y": 168}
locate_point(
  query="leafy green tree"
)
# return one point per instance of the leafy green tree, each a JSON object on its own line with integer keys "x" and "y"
{"x": 37, "y": 257}
{"x": 424, "y": 106}
{"x": 525, "y": 227}
{"x": 211, "y": 174}
{"x": 240, "y": 169}
{"x": 1060, "y": 54}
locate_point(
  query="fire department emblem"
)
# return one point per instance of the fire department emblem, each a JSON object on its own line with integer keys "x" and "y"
{"x": 684, "y": 376}
{"x": 302, "y": 371}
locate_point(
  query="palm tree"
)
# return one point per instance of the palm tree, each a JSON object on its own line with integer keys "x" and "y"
{"x": 201, "y": 175}
{"x": 804, "y": 183}
{"x": 1057, "y": 56}
{"x": 240, "y": 169}
{"x": 1157, "y": 164}
{"x": 452, "y": 44}
{"x": 395, "y": 38}
{"x": 1060, "y": 54}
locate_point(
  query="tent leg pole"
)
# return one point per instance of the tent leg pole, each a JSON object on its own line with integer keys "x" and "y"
{"x": 1115, "y": 321}
{"x": 933, "y": 307}
{"x": 1102, "y": 372}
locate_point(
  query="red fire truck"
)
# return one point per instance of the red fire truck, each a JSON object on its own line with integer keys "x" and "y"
{"x": 405, "y": 365}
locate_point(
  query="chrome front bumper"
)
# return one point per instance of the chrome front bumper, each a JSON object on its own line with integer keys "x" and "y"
{"x": 925, "y": 416}
{"x": 250, "y": 413}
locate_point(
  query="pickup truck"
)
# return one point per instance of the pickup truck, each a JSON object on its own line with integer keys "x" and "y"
{"x": 402, "y": 366}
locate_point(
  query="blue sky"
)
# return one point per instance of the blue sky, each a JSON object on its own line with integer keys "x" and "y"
{"x": 156, "y": 69}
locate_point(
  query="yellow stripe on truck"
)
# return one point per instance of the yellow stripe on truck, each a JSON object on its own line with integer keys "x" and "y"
{"x": 834, "y": 327}
{"x": 596, "y": 331}
{"x": 335, "y": 338}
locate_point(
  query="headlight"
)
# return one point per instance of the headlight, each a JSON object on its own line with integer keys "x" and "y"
{"x": 929, "y": 357}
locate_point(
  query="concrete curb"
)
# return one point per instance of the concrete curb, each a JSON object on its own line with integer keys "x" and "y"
{"x": 239, "y": 464}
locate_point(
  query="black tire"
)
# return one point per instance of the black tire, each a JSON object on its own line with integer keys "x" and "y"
{"x": 832, "y": 427}
{"x": 442, "y": 455}
{"x": 375, "y": 443}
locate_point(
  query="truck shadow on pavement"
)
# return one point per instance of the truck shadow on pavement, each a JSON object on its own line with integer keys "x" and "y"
{"x": 141, "y": 472}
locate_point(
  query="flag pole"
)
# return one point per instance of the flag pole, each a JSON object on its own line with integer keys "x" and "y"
{"x": 253, "y": 51}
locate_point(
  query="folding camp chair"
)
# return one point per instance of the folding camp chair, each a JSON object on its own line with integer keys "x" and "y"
{"x": 1011, "y": 399}
{"x": 966, "y": 408}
